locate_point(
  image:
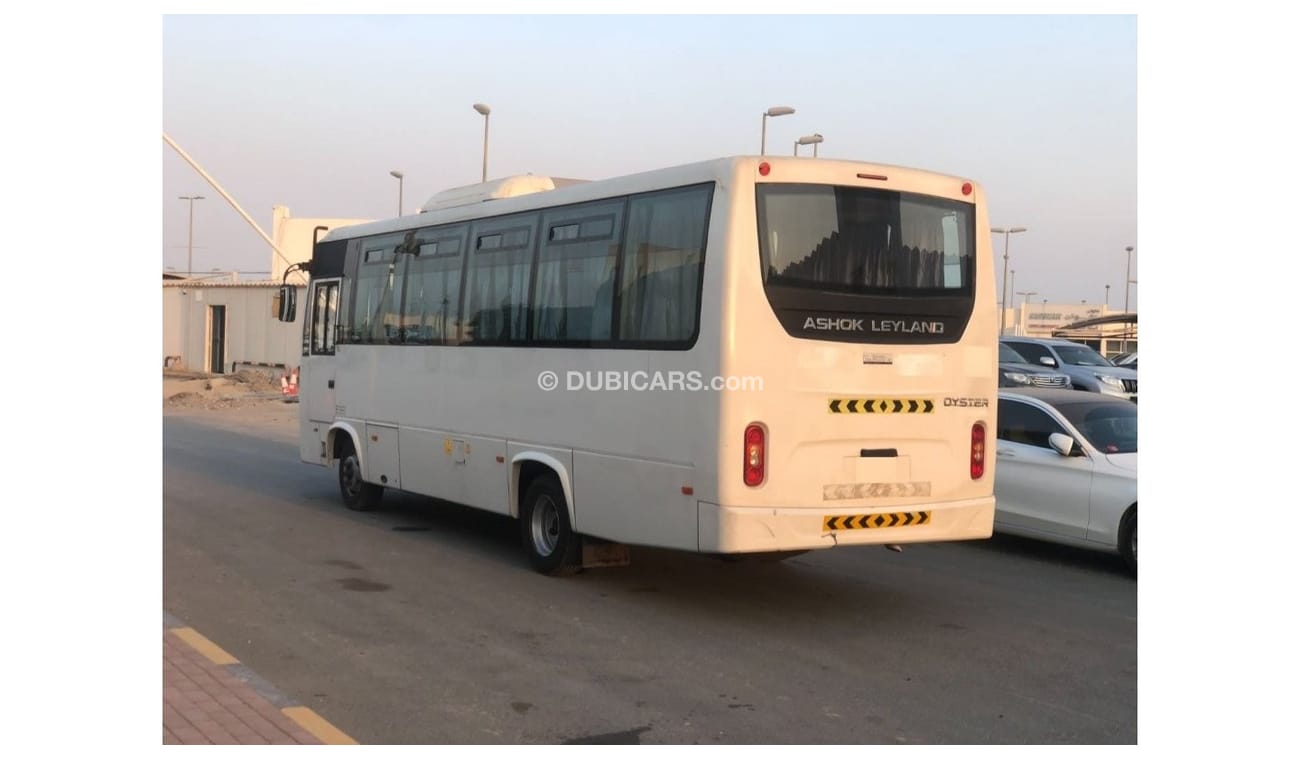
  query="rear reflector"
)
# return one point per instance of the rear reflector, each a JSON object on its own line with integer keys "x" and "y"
{"x": 755, "y": 455}
{"x": 977, "y": 451}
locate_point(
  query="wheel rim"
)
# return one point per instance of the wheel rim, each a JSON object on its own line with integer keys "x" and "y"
{"x": 351, "y": 476}
{"x": 1133, "y": 544}
{"x": 545, "y": 526}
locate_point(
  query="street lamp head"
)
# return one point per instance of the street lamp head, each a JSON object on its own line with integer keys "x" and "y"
{"x": 779, "y": 111}
{"x": 1128, "y": 248}
{"x": 810, "y": 139}
{"x": 397, "y": 174}
{"x": 482, "y": 108}
{"x": 190, "y": 197}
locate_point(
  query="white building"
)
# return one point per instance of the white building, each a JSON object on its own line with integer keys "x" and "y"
{"x": 1110, "y": 331}
{"x": 219, "y": 324}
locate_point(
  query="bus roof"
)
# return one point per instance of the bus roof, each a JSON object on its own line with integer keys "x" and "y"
{"x": 507, "y": 187}
{"x": 527, "y": 192}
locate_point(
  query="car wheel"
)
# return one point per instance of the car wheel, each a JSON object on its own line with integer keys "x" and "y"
{"x": 552, "y": 546}
{"x": 357, "y": 494}
{"x": 1128, "y": 540}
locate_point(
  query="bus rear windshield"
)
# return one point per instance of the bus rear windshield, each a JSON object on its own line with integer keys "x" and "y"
{"x": 864, "y": 241}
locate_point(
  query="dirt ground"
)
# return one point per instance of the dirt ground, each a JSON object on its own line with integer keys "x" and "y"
{"x": 244, "y": 396}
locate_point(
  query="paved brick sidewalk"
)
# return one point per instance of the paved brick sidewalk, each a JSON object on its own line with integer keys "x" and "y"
{"x": 209, "y": 698}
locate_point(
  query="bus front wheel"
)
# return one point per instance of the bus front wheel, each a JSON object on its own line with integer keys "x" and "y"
{"x": 357, "y": 493}
{"x": 553, "y": 548}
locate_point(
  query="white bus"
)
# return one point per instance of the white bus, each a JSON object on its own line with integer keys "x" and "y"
{"x": 751, "y": 354}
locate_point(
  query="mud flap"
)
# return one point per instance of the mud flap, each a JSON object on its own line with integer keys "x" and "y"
{"x": 597, "y": 553}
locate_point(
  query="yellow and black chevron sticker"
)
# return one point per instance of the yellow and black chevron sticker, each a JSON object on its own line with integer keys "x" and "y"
{"x": 881, "y": 406}
{"x": 889, "y": 520}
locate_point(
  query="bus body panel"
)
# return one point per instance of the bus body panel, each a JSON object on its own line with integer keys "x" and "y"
{"x": 814, "y": 457}
{"x": 664, "y": 467}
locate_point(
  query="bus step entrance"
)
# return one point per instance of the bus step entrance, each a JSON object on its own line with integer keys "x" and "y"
{"x": 597, "y": 553}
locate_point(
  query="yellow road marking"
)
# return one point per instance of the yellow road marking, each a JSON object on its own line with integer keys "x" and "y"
{"x": 205, "y": 647}
{"x": 317, "y": 726}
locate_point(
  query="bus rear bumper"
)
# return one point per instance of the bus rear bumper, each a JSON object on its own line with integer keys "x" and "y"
{"x": 759, "y": 529}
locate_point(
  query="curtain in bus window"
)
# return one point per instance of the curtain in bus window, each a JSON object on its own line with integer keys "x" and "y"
{"x": 861, "y": 240}
{"x": 575, "y": 289}
{"x": 433, "y": 293}
{"x": 661, "y": 272}
{"x": 928, "y": 241}
{"x": 574, "y": 296}
{"x": 378, "y": 294}
{"x": 496, "y": 295}
{"x": 372, "y": 279}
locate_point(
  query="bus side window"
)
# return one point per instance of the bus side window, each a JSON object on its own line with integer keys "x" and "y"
{"x": 662, "y": 264}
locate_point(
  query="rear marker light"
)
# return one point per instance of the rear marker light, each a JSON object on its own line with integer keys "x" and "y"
{"x": 966, "y": 188}
{"x": 977, "y": 451}
{"x": 764, "y": 168}
{"x": 755, "y": 455}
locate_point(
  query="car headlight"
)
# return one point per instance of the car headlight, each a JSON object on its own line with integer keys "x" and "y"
{"x": 1112, "y": 381}
{"x": 1017, "y": 377}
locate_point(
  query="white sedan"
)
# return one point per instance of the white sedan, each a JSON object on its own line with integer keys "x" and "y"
{"x": 1067, "y": 469}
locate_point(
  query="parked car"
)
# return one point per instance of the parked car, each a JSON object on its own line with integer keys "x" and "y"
{"x": 1015, "y": 370}
{"x": 1067, "y": 469}
{"x": 1127, "y": 360}
{"x": 1088, "y": 370}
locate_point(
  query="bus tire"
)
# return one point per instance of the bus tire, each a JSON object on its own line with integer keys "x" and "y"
{"x": 357, "y": 494}
{"x": 552, "y": 546}
{"x": 1128, "y": 539}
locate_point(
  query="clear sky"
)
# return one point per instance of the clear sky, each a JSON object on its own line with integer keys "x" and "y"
{"x": 313, "y": 112}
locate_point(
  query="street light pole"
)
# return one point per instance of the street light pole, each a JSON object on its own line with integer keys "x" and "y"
{"x": 1013, "y": 303}
{"x": 189, "y": 267}
{"x": 483, "y": 109}
{"x": 1026, "y": 294}
{"x": 812, "y": 140}
{"x": 1108, "y": 298}
{"x": 1006, "y": 260}
{"x": 1127, "y": 275}
{"x": 773, "y": 111}
{"x": 399, "y": 176}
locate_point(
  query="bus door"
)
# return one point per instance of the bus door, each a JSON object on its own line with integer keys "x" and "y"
{"x": 316, "y": 379}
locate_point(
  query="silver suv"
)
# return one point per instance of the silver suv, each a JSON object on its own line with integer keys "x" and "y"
{"x": 1088, "y": 370}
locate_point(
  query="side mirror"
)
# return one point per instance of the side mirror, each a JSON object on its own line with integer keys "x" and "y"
{"x": 1049, "y": 361}
{"x": 285, "y": 303}
{"x": 1063, "y": 444}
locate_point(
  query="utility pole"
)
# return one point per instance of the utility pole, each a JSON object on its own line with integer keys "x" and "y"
{"x": 189, "y": 267}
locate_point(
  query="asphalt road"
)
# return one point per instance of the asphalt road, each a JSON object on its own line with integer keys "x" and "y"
{"x": 423, "y": 624}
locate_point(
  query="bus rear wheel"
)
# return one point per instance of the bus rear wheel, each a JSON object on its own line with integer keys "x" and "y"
{"x": 357, "y": 494}
{"x": 552, "y": 546}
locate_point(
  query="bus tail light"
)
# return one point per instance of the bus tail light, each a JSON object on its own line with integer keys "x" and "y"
{"x": 755, "y": 455}
{"x": 977, "y": 451}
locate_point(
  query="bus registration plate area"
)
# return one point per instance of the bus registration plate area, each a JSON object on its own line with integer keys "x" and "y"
{"x": 875, "y": 478}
